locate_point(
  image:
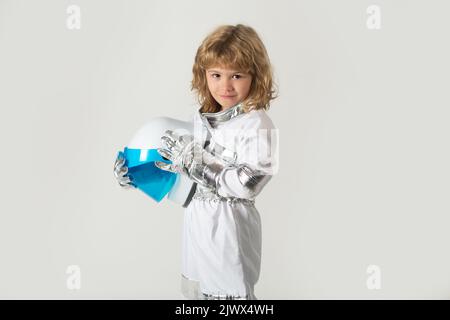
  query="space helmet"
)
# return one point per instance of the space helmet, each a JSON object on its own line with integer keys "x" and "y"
{"x": 141, "y": 153}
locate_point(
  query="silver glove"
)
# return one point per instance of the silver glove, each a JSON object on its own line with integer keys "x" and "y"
{"x": 121, "y": 172}
{"x": 188, "y": 157}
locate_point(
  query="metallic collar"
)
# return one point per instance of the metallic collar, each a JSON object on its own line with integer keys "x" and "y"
{"x": 217, "y": 118}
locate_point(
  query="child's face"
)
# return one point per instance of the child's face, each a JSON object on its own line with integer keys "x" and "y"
{"x": 228, "y": 87}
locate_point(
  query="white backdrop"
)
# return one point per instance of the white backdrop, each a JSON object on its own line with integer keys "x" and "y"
{"x": 364, "y": 146}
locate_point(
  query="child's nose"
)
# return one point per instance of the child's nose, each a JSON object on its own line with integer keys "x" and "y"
{"x": 228, "y": 85}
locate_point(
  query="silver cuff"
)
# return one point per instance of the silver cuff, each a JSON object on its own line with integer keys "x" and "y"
{"x": 252, "y": 180}
{"x": 203, "y": 167}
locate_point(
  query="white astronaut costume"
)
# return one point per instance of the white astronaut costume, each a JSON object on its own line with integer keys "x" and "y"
{"x": 221, "y": 243}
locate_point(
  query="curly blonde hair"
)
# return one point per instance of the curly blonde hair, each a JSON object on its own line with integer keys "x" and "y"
{"x": 238, "y": 47}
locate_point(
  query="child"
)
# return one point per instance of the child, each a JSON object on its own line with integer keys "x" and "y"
{"x": 231, "y": 156}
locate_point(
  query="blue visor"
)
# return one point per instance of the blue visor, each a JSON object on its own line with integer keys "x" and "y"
{"x": 147, "y": 177}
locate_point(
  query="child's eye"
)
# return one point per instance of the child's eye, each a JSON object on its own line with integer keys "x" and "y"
{"x": 235, "y": 76}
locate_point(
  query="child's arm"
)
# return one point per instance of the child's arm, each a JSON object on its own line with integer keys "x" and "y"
{"x": 243, "y": 180}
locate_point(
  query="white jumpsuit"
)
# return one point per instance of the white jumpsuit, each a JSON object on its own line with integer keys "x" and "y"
{"x": 221, "y": 244}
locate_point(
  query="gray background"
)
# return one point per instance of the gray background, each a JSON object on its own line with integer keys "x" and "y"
{"x": 364, "y": 151}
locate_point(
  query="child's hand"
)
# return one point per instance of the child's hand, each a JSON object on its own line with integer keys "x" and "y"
{"x": 121, "y": 172}
{"x": 177, "y": 149}
{"x": 190, "y": 158}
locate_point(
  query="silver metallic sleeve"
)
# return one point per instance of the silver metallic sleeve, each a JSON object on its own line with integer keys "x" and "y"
{"x": 252, "y": 181}
{"x": 203, "y": 167}
{"x": 210, "y": 171}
